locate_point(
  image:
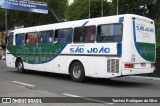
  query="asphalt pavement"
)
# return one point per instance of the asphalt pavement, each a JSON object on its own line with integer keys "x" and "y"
{"x": 40, "y": 84}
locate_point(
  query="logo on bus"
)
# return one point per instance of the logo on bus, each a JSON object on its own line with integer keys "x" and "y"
{"x": 144, "y": 28}
{"x": 91, "y": 50}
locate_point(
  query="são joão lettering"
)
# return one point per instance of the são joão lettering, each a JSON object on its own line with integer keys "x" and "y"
{"x": 91, "y": 50}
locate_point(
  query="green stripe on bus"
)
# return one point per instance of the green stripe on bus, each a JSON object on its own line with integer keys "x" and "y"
{"x": 147, "y": 50}
{"x": 39, "y": 54}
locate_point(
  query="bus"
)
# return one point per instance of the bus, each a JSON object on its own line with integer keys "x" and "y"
{"x": 103, "y": 47}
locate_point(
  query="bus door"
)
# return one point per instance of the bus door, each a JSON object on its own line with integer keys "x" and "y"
{"x": 9, "y": 56}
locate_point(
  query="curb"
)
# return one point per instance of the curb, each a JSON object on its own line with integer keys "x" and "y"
{"x": 148, "y": 78}
{"x": 2, "y": 60}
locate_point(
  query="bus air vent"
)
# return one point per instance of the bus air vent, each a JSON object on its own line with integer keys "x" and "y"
{"x": 113, "y": 65}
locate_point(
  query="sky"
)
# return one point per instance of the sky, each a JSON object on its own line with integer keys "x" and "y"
{"x": 70, "y": 1}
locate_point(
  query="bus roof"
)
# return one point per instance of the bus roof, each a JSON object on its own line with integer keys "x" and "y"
{"x": 79, "y": 23}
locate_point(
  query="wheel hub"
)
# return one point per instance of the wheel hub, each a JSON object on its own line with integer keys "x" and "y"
{"x": 76, "y": 72}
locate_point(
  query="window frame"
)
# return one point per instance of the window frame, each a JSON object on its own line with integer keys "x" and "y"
{"x": 39, "y": 37}
{"x": 98, "y": 41}
{"x": 20, "y": 34}
{"x": 71, "y": 37}
{"x": 32, "y": 38}
{"x": 84, "y": 28}
{"x": 10, "y": 44}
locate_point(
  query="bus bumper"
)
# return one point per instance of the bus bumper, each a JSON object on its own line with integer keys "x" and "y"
{"x": 137, "y": 71}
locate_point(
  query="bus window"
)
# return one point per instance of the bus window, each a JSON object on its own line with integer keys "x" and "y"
{"x": 117, "y": 29}
{"x": 90, "y": 33}
{"x": 109, "y": 33}
{"x": 63, "y": 35}
{"x": 85, "y": 34}
{"x": 46, "y": 37}
{"x": 35, "y": 38}
{"x": 29, "y": 38}
{"x": 10, "y": 40}
{"x": 49, "y": 35}
{"x": 32, "y": 38}
{"x": 79, "y": 35}
{"x": 20, "y": 39}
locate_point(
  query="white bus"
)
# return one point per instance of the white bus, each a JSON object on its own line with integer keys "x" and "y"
{"x": 102, "y": 47}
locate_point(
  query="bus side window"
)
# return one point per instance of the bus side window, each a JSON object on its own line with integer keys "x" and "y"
{"x": 90, "y": 33}
{"x": 66, "y": 35}
{"x": 69, "y": 35}
{"x": 20, "y": 39}
{"x": 10, "y": 40}
{"x": 46, "y": 37}
{"x": 35, "y": 38}
{"x": 29, "y": 36}
{"x": 79, "y": 35}
{"x": 40, "y": 38}
{"x": 109, "y": 33}
{"x": 32, "y": 38}
{"x": 59, "y": 36}
{"x": 118, "y": 33}
{"x": 17, "y": 39}
{"x": 63, "y": 35}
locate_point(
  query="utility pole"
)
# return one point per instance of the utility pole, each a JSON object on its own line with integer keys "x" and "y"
{"x": 117, "y": 7}
{"x": 89, "y": 9}
{"x": 102, "y": 9}
{"x": 6, "y": 23}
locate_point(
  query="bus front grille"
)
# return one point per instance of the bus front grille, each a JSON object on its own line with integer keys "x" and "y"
{"x": 113, "y": 65}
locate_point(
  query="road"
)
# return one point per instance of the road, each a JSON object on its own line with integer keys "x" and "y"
{"x": 63, "y": 85}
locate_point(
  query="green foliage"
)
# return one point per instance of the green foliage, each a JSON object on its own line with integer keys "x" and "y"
{"x": 2, "y": 18}
{"x": 80, "y": 9}
{"x": 140, "y": 7}
{"x": 158, "y": 38}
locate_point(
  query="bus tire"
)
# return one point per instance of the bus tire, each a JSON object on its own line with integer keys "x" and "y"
{"x": 77, "y": 72}
{"x": 20, "y": 66}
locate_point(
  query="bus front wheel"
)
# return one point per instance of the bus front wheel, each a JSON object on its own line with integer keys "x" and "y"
{"x": 20, "y": 66}
{"x": 77, "y": 72}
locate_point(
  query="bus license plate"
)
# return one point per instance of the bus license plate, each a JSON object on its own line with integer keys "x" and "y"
{"x": 143, "y": 65}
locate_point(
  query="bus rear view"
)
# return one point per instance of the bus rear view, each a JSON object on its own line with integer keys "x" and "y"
{"x": 139, "y": 46}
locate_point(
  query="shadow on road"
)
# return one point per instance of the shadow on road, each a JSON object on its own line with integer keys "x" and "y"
{"x": 117, "y": 82}
{"x": 114, "y": 82}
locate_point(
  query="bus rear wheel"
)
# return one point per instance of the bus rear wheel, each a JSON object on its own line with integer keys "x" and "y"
{"x": 20, "y": 66}
{"x": 77, "y": 72}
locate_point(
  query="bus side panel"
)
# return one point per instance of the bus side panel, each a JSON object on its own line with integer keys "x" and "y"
{"x": 10, "y": 60}
{"x": 95, "y": 66}
{"x": 126, "y": 42}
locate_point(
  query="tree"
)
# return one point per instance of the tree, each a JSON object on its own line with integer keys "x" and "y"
{"x": 157, "y": 21}
{"x": 80, "y": 9}
{"x": 140, "y": 7}
{"x": 2, "y": 18}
